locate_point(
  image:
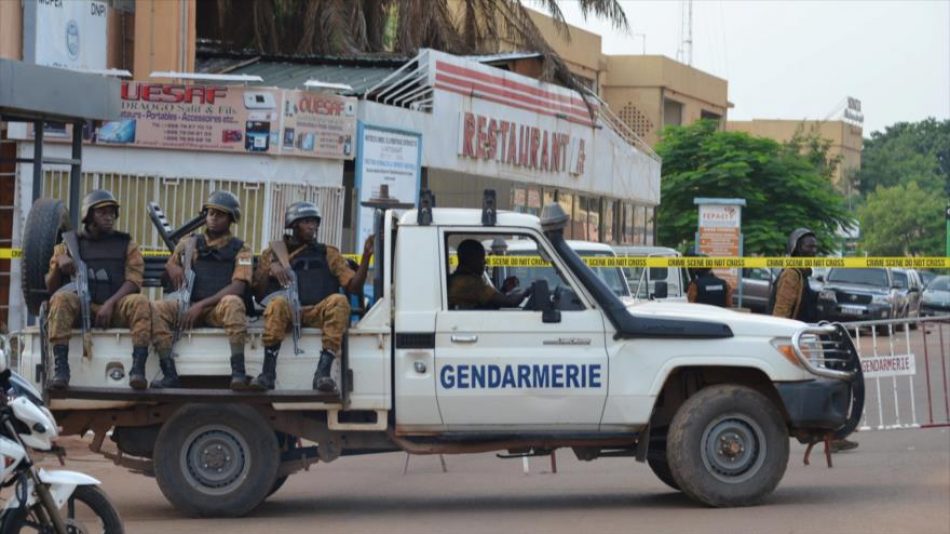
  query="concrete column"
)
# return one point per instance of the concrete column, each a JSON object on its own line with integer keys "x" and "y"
{"x": 164, "y": 36}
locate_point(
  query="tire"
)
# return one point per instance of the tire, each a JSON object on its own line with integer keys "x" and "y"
{"x": 87, "y": 510}
{"x": 216, "y": 460}
{"x": 277, "y": 485}
{"x": 726, "y": 421}
{"x": 656, "y": 459}
{"x": 47, "y": 220}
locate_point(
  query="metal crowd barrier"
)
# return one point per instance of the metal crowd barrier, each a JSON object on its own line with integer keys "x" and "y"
{"x": 906, "y": 364}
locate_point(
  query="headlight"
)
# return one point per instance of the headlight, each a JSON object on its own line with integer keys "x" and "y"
{"x": 828, "y": 294}
{"x": 880, "y": 299}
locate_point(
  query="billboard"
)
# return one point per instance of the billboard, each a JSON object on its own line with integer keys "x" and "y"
{"x": 386, "y": 157}
{"x": 65, "y": 33}
{"x": 221, "y": 118}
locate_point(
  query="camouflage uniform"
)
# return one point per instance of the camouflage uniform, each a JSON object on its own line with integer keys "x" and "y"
{"x": 469, "y": 291}
{"x": 228, "y": 313}
{"x": 330, "y": 314}
{"x": 131, "y": 311}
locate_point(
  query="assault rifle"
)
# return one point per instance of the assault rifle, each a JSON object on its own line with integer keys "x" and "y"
{"x": 291, "y": 291}
{"x": 183, "y": 294}
{"x": 80, "y": 286}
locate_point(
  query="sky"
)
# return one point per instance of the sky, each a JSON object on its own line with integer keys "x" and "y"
{"x": 802, "y": 59}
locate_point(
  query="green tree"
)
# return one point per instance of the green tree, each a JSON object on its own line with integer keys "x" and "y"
{"x": 782, "y": 188}
{"x": 907, "y": 152}
{"x": 902, "y": 220}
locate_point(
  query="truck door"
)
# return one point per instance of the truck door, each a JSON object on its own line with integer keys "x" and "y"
{"x": 498, "y": 368}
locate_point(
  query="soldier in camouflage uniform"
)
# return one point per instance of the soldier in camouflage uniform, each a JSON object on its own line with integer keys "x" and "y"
{"x": 321, "y": 270}
{"x": 468, "y": 288}
{"x": 115, "y": 272}
{"x": 223, "y": 266}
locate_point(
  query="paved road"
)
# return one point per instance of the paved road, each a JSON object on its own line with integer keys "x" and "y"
{"x": 897, "y": 481}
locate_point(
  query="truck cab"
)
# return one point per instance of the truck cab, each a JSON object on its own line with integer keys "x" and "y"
{"x": 570, "y": 366}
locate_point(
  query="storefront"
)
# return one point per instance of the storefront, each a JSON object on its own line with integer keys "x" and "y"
{"x": 532, "y": 142}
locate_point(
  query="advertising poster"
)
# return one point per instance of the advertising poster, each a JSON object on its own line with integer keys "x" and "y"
{"x": 221, "y": 118}
{"x": 319, "y": 125}
{"x": 386, "y": 157}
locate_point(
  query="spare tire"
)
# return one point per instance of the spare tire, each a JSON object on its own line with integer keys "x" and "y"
{"x": 47, "y": 220}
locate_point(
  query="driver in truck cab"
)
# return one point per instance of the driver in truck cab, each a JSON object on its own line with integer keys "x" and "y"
{"x": 222, "y": 266}
{"x": 468, "y": 287}
{"x": 320, "y": 271}
{"x": 115, "y": 271}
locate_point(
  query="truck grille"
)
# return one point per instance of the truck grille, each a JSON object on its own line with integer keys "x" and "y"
{"x": 852, "y": 298}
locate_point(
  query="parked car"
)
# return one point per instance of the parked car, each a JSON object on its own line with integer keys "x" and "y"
{"x": 859, "y": 295}
{"x": 935, "y": 299}
{"x": 757, "y": 285}
{"x": 642, "y": 282}
{"x": 926, "y": 277}
{"x": 910, "y": 287}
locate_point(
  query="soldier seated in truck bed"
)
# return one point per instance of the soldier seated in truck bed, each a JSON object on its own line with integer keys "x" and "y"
{"x": 222, "y": 272}
{"x": 318, "y": 271}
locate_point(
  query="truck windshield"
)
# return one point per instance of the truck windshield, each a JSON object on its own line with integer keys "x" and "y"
{"x": 868, "y": 277}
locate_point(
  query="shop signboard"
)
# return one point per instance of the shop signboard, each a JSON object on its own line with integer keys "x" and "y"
{"x": 390, "y": 158}
{"x": 720, "y": 232}
{"x": 221, "y": 118}
{"x": 65, "y": 33}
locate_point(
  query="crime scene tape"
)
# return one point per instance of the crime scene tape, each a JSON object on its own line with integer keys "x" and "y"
{"x": 920, "y": 262}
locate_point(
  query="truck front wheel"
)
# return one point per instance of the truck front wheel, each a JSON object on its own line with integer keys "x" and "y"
{"x": 216, "y": 460}
{"x": 727, "y": 446}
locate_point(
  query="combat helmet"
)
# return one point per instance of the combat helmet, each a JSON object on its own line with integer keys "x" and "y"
{"x": 98, "y": 198}
{"x": 301, "y": 210}
{"x": 224, "y": 201}
{"x": 795, "y": 237}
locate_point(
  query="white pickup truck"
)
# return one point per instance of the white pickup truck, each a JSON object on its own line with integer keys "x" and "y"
{"x": 706, "y": 396}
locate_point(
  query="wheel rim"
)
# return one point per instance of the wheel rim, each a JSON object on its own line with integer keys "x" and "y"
{"x": 215, "y": 460}
{"x": 733, "y": 448}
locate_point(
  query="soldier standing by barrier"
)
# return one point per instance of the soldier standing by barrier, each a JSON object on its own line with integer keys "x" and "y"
{"x": 115, "y": 270}
{"x": 319, "y": 271}
{"x": 222, "y": 267}
{"x": 795, "y": 299}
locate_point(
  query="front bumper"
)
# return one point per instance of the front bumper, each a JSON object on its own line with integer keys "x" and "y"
{"x": 820, "y": 404}
{"x": 932, "y": 309}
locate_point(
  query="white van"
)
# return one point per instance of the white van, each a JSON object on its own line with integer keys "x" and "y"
{"x": 642, "y": 281}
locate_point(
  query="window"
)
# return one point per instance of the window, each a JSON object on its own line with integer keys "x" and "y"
{"x": 485, "y": 287}
{"x": 672, "y": 113}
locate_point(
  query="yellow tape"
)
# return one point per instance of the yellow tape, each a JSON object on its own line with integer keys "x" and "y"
{"x": 932, "y": 262}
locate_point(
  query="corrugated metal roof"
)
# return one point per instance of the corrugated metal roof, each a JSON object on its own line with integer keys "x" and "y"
{"x": 293, "y": 75}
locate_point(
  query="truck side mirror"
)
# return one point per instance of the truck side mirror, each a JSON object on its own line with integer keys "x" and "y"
{"x": 660, "y": 290}
{"x": 541, "y": 300}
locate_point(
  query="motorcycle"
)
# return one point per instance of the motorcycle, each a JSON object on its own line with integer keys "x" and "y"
{"x": 40, "y": 496}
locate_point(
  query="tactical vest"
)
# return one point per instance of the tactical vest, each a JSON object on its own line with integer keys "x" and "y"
{"x": 315, "y": 281}
{"x": 808, "y": 300}
{"x": 710, "y": 289}
{"x": 213, "y": 267}
{"x": 105, "y": 262}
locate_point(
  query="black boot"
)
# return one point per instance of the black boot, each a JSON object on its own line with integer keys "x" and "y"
{"x": 60, "y": 378}
{"x": 239, "y": 380}
{"x": 137, "y": 372}
{"x": 268, "y": 375}
{"x": 169, "y": 377}
{"x": 321, "y": 379}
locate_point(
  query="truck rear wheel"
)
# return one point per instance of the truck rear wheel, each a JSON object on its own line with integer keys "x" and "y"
{"x": 216, "y": 460}
{"x": 727, "y": 446}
